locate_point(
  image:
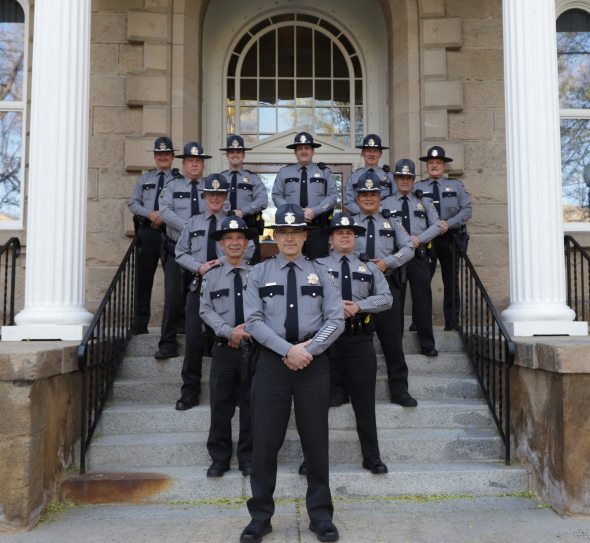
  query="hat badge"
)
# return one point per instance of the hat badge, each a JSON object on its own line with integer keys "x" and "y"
{"x": 233, "y": 225}
{"x": 434, "y": 153}
{"x": 313, "y": 279}
{"x": 289, "y": 218}
{"x": 344, "y": 221}
{"x": 386, "y": 225}
{"x": 406, "y": 169}
{"x": 302, "y": 139}
{"x": 215, "y": 184}
{"x": 194, "y": 150}
{"x": 235, "y": 143}
{"x": 372, "y": 143}
{"x": 162, "y": 146}
{"x": 369, "y": 184}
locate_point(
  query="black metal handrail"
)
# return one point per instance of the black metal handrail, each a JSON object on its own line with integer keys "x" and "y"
{"x": 487, "y": 342}
{"x": 11, "y": 251}
{"x": 103, "y": 346}
{"x": 577, "y": 264}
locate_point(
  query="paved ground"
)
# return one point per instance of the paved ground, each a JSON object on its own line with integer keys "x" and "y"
{"x": 477, "y": 520}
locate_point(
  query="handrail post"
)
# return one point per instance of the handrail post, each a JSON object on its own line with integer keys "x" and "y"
{"x": 454, "y": 291}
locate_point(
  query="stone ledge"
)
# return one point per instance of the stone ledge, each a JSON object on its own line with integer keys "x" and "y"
{"x": 34, "y": 360}
{"x": 554, "y": 354}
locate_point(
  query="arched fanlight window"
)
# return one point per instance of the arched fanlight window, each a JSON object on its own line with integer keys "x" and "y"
{"x": 295, "y": 71}
{"x": 573, "y": 58}
{"x": 12, "y": 110}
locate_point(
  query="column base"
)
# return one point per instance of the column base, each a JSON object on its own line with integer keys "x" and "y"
{"x": 546, "y": 328}
{"x": 38, "y": 332}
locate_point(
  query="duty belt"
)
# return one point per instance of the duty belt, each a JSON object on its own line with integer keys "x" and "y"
{"x": 219, "y": 341}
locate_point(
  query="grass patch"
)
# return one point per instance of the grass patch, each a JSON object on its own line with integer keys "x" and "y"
{"x": 55, "y": 510}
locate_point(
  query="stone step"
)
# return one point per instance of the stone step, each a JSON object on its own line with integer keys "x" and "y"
{"x": 136, "y": 367}
{"x": 186, "y": 484}
{"x": 147, "y": 344}
{"x": 402, "y": 445}
{"x": 156, "y": 418}
{"x": 165, "y": 390}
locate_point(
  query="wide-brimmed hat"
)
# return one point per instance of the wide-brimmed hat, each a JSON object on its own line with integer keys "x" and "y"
{"x": 163, "y": 145}
{"x": 304, "y": 138}
{"x": 216, "y": 183}
{"x": 193, "y": 150}
{"x": 343, "y": 221}
{"x": 435, "y": 152}
{"x": 405, "y": 166}
{"x": 368, "y": 182}
{"x": 235, "y": 143}
{"x": 232, "y": 224}
{"x": 372, "y": 141}
{"x": 289, "y": 215}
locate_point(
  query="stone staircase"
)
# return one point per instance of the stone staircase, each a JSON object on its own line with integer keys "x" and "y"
{"x": 447, "y": 445}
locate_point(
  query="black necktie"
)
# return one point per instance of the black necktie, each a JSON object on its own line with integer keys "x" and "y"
{"x": 238, "y": 297}
{"x": 436, "y": 197}
{"x": 371, "y": 237}
{"x": 159, "y": 191}
{"x": 233, "y": 195}
{"x": 194, "y": 198}
{"x": 292, "y": 321}
{"x": 406, "y": 215}
{"x": 303, "y": 190}
{"x": 346, "y": 280}
{"x": 211, "y": 244}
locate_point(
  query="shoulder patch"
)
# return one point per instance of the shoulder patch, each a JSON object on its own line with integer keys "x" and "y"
{"x": 245, "y": 285}
{"x": 203, "y": 284}
{"x": 163, "y": 191}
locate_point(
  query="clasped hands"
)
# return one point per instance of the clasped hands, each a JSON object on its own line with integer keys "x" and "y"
{"x": 237, "y": 335}
{"x": 297, "y": 357}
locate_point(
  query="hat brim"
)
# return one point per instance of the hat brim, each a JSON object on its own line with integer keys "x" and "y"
{"x": 380, "y": 147}
{"x": 405, "y": 174}
{"x": 300, "y": 225}
{"x": 427, "y": 158}
{"x": 192, "y": 156}
{"x": 295, "y": 145}
{"x": 165, "y": 150}
{"x": 227, "y": 149}
{"x": 358, "y": 230}
{"x": 225, "y": 191}
{"x": 369, "y": 190}
{"x": 218, "y": 234}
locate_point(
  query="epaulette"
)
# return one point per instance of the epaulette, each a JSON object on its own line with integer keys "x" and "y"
{"x": 251, "y": 173}
{"x": 224, "y": 171}
{"x": 250, "y": 263}
{"x": 358, "y": 169}
{"x": 386, "y": 168}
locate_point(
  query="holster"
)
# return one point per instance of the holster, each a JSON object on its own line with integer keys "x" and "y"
{"x": 323, "y": 219}
{"x": 138, "y": 222}
{"x": 208, "y": 336}
{"x": 164, "y": 248}
{"x": 420, "y": 251}
{"x": 255, "y": 221}
{"x": 250, "y": 355}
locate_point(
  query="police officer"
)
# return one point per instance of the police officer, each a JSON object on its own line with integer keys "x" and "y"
{"x": 388, "y": 245}
{"x": 372, "y": 151}
{"x": 310, "y": 186}
{"x": 453, "y": 204}
{"x": 419, "y": 218}
{"x": 222, "y": 308}
{"x": 196, "y": 253}
{"x": 145, "y": 206}
{"x": 294, "y": 310}
{"x": 365, "y": 292}
{"x": 180, "y": 200}
{"x": 247, "y": 194}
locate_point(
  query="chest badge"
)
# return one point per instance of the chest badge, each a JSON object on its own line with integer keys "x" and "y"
{"x": 385, "y": 178}
{"x": 246, "y": 180}
{"x": 362, "y": 269}
{"x": 313, "y": 279}
{"x": 317, "y": 174}
{"x": 448, "y": 189}
{"x": 420, "y": 207}
{"x": 386, "y": 225}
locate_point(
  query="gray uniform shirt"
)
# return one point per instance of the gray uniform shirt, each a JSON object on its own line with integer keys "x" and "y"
{"x": 191, "y": 249}
{"x": 370, "y": 289}
{"x": 321, "y": 188}
{"x": 455, "y": 201}
{"x": 349, "y": 198}
{"x": 252, "y": 197}
{"x": 218, "y": 308}
{"x": 143, "y": 197}
{"x": 175, "y": 204}
{"x": 319, "y": 304}
{"x": 424, "y": 221}
{"x": 393, "y": 244}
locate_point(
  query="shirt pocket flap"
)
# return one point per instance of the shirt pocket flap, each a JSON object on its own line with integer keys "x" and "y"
{"x": 271, "y": 291}
{"x": 421, "y": 214}
{"x": 147, "y": 186}
{"x": 245, "y": 186}
{"x": 218, "y": 293}
{"x": 196, "y": 233}
{"x": 312, "y": 290}
{"x": 364, "y": 277}
{"x": 181, "y": 194}
{"x": 317, "y": 180}
{"x": 386, "y": 232}
{"x": 449, "y": 193}
{"x": 335, "y": 274}
{"x": 292, "y": 180}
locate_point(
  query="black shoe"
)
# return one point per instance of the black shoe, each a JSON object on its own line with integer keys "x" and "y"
{"x": 326, "y": 531}
{"x": 255, "y": 531}
{"x": 449, "y": 327}
{"x": 140, "y": 331}
{"x": 413, "y": 328}
{"x": 404, "y": 399}
{"x": 246, "y": 468}
{"x": 339, "y": 399}
{"x": 430, "y": 352}
{"x": 217, "y": 469}
{"x": 375, "y": 466}
{"x": 186, "y": 402}
{"x": 303, "y": 468}
{"x": 162, "y": 354}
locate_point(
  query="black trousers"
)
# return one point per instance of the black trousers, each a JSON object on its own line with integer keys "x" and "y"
{"x": 192, "y": 367}
{"x": 357, "y": 360}
{"x": 317, "y": 245}
{"x": 151, "y": 245}
{"x": 174, "y": 302}
{"x": 256, "y": 257}
{"x": 418, "y": 271}
{"x": 226, "y": 380}
{"x": 274, "y": 388}
{"x": 389, "y": 332}
{"x": 444, "y": 253}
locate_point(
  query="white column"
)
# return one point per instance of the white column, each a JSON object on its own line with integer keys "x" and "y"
{"x": 535, "y": 220}
{"x": 58, "y": 170}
